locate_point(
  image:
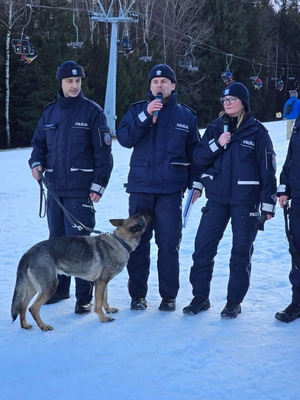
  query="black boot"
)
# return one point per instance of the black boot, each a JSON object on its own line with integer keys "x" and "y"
{"x": 291, "y": 313}
{"x": 167, "y": 304}
{"x": 57, "y": 297}
{"x": 83, "y": 307}
{"x": 138, "y": 303}
{"x": 199, "y": 303}
{"x": 231, "y": 310}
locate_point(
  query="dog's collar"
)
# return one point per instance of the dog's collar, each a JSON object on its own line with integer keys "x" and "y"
{"x": 123, "y": 243}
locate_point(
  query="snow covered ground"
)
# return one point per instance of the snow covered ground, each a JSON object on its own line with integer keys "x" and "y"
{"x": 147, "y": 355}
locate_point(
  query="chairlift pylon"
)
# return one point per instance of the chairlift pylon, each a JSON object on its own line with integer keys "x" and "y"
{"x": 75, "y": 44}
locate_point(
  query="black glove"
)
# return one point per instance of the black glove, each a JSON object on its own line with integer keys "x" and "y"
{"x": 261, "y": 222}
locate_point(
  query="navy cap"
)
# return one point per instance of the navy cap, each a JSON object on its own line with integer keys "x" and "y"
{"x": 162, "y": 70}
{"x": 239, "y": 90}
{"x": 69, "y": 69}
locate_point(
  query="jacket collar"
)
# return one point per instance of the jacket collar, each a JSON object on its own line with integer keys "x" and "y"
{"x": 67, "y": 102}
{"x": 171, "y": 101}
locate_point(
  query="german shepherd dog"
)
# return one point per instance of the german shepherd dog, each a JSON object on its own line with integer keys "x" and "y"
{"x": 93, "y": 258}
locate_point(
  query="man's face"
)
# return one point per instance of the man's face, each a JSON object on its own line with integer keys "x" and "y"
{"x": 162, "y": 85}
{"x": 71, "y": 86}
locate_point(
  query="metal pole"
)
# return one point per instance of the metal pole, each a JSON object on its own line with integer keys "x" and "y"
{"x": 111, "y": 86}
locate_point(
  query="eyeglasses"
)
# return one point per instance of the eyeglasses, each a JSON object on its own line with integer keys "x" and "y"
{"x": 229, "y": 100}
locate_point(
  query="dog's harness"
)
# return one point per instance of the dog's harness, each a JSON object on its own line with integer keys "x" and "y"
{"x": 69, "y": 216}
{"x": 123, "y": 243}
{"x": 292, "y": 248}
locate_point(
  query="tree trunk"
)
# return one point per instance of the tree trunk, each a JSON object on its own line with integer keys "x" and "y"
{"x": 7, "y": 84}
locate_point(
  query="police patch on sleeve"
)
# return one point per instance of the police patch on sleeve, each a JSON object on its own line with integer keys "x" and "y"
{"x": 107, "y": 138}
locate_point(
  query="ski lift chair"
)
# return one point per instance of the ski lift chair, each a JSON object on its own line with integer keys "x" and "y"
{"x": 126, "y": 45}
{"x": 185, "y": 64}
{"x": 193, "y": 68}
{"x": 227, "y": 77}
{"x": 189, "y": 58}
{"x": 279, "y": 85}
{"x": 291, "y": 76}
{"x": 146, "y": 58}
{"x": 257, "y": 83}
{"x": 75, "y": 45}
{"x": 23, "y": 46}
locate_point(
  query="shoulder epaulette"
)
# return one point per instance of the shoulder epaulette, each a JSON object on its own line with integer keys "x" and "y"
{"x": 189, "y": 108}
{"x": 138, "y": 102}
{"x": 261, "y": 125}
{"x": 50, "y": 104}
{"x": 99, "y": 108}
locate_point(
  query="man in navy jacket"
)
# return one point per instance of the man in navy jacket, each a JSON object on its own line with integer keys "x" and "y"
{"x": 72, "y": 145}
{"x": 289, "y": 190}
{"x": 163, "y": 135}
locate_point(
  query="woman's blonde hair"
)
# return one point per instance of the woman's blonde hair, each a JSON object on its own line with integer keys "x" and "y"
{"x": 240, "y": 117}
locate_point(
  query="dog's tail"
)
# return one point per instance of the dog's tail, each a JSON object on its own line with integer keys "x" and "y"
{"x": 20, "y": 289}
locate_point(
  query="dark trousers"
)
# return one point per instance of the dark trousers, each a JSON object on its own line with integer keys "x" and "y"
{"x": 295, "y": 232}
{"x": 215, "y": 217}
{"x": 167, "y": 225}
{"x": 83, "y": 210}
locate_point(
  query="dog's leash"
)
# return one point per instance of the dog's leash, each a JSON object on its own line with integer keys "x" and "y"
{"x": 69, "y": 216}
{"x": 292, "y": 248}
{"x": 43, "y": 201}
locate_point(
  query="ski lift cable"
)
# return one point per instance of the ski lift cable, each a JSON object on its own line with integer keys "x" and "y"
{"x": 203, "y": 46}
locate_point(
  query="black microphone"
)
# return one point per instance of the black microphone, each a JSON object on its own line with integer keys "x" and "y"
{"x": 159, "y": 96}
{"x": 226, "y": 121}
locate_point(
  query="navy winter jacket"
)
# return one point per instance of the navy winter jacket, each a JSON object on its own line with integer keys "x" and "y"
{"x": 72, "y": 143}
{"x": 162, "y": 157}
{"x": 243, "y": 172}
{"x": 289, "y": 177}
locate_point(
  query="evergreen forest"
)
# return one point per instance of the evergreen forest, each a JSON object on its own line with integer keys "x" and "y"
{"x": 204, "y": 41}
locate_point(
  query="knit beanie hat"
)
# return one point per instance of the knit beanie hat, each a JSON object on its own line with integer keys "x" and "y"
{"x": 162, "y": 70}
{"x": 239, "y": 90}
{"x": 69, "y": 69}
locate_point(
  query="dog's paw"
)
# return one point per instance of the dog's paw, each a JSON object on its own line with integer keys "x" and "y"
{"x": 46, "y": 328}
{"x": 26, "y": 326}
{"x": 111, "y": 310}
{"x": 107, "y": 319}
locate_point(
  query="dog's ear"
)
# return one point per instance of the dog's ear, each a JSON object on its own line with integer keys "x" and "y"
{"x": 116, "y": 221}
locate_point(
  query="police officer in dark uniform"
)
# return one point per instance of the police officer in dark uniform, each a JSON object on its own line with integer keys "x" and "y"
{"x": 289, "y": 189}
{"x": 72, "y": 145}
{"x": 238, "y": 162}
{"x": 163, "y": 135}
